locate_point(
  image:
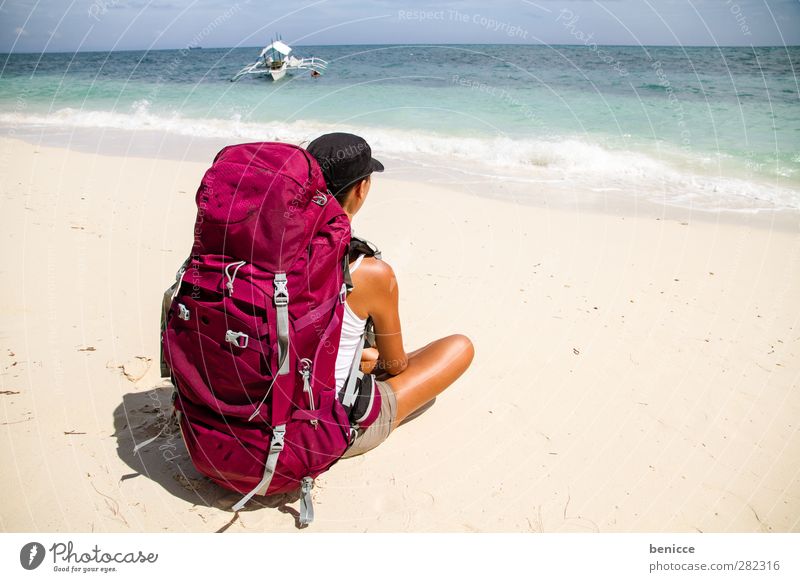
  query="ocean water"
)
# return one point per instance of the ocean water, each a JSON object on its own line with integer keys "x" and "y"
{"x": 710, "y": 128}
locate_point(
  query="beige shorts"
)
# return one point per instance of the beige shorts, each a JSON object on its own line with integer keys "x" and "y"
{"x": 369, "y": 438}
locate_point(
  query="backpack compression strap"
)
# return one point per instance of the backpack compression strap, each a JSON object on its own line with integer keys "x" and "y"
{"x": 281, "y": 401}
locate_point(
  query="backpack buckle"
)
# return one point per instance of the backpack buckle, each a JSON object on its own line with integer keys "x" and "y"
{"x": 276, "y": 444}
{"x": 183, "y": 312}
{"x": 234, "y": 337}
{"x": 281, "y": 295}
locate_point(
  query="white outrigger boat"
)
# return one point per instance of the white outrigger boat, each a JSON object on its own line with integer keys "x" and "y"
{"x": 275, "y": 60}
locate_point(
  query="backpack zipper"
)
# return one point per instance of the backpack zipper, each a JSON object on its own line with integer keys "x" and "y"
{"x": 305, "y": 372}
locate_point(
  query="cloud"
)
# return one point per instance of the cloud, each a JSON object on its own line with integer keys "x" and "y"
{"x": 19, "y": 31}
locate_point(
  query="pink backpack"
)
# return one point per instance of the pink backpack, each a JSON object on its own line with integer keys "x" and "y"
{"x": 252, "y": 326}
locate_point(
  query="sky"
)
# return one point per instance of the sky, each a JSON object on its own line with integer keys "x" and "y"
{"x": 101, "y": 25}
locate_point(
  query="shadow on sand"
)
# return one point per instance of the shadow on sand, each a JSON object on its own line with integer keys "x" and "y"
{"x": 140, "y": 416}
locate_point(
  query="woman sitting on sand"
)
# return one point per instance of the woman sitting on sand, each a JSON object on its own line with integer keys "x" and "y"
{"x": 408, "y": 382}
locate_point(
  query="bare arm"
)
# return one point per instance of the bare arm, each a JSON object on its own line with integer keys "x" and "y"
{"x": 382, "y": 305}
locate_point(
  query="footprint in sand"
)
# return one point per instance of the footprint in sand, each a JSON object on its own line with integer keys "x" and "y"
{"x": 135, "y": 369}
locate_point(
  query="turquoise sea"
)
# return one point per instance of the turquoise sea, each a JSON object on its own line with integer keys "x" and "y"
{"x": 699, "y": 126}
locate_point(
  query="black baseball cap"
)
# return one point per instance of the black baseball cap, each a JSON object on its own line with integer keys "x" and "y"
{"x": 344, "y": 158}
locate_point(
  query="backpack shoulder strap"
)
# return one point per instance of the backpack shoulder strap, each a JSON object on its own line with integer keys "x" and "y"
{"x": 166, "y": 303}
{"x": 358, "y": 246}
{"x": 361, "y": 246}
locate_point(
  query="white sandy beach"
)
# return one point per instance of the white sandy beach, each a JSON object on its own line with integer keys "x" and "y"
{"x": 637, "y": 368}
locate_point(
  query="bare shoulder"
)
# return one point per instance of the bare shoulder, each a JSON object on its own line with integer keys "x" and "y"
{"x": 377, "y": 268}
{"x": 375, "y": 272}
{"x": 374, "y": 286}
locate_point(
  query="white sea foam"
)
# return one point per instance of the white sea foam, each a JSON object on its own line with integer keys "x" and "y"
{"x": 568, "y": 161}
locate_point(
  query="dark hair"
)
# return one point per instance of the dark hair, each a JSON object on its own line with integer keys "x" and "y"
{"x": 342, "y": 196}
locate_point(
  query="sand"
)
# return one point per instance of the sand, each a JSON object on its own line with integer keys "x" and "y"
{"x": 636, "y": 367}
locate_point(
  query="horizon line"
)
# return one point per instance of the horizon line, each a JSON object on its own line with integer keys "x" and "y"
{"x": 419, "y": 44}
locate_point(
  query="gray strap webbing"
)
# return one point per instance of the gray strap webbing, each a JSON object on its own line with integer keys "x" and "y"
{"x": 281, "y": 299}
{"x": 306, "y": 507}
{"x": 275, "y": 448}
{"x": 350, "y": 388}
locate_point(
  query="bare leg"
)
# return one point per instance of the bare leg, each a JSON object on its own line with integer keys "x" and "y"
{"x": 430, "y": 370}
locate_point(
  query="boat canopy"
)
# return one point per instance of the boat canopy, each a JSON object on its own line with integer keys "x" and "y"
{"x": 278, "y": 46}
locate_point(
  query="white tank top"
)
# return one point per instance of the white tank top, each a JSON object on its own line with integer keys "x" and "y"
{"x": 352, "y": 333}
